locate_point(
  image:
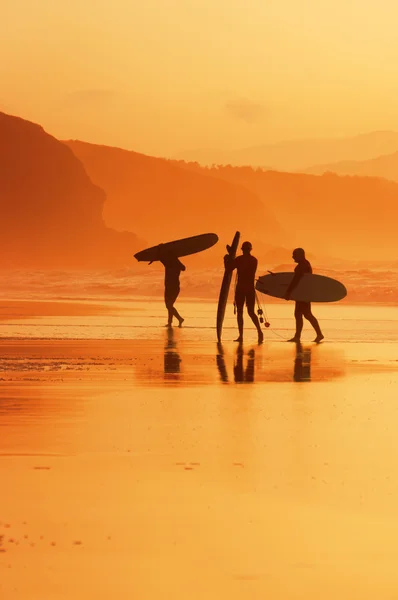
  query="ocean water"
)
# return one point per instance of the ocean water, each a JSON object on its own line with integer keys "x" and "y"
{"x": 374, "y": 284}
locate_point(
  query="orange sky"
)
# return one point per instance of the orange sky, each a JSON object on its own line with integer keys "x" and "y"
{"x": 163, "y": 76}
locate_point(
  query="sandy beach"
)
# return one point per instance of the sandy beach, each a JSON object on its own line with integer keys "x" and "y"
{"x": 141, "y": 463}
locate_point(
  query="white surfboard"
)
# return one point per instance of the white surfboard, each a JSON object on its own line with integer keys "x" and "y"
{"x": 310, "y": 288}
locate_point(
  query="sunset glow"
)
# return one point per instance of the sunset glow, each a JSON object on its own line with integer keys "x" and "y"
{"x": 163, "y": 77}
{"x": 199, "y": 299}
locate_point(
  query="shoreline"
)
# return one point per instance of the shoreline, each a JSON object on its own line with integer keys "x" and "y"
{"x": 100, "y": 300}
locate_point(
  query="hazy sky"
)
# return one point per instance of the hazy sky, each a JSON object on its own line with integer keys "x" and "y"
{"x": 160, "y": 76}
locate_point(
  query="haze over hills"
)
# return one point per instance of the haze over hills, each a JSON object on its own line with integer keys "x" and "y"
{"x": 348, "y": 217}
{"x": 382, "y": 166}
{"x": 54, "y": 213}
{"x": 164, "y": 201}
{"x": 301, "y": 154}
{"x": 51, "y": 212}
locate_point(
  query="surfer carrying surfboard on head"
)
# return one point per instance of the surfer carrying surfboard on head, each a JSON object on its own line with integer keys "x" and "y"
{"x": 246, "y": 267}
{"x": 173, "y": 267}
{"x": 302, "y": 309}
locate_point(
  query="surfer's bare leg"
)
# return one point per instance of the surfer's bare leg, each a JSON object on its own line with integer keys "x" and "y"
{"x": 298, "y": 315}
{"x": 250, "y": 303}
{"x": 239, "y": 302}
{"x": 314, "y": 322}
{"x": 239, "y": 313}
{"x": 178, "y": 317}
{"x": 174, "y": 313}
{"x": 170, "y": 319}
{"x": 169, "y": 298}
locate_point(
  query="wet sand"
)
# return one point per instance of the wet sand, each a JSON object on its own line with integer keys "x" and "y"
{"x": 171, "y": 467}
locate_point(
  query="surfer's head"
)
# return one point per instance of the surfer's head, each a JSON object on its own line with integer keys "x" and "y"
{"x": 246, "y": 247}
{"x": 298, "y": 254}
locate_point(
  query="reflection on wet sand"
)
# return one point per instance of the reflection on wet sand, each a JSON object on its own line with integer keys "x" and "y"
{"x": 302, "y": 363}
{"x": 221, "y": 363}
{"x": 124, "y": 479}
{"x": 241, "y": 374}
{"x": 172, "y": 359}
{"x": 176, "y": 360}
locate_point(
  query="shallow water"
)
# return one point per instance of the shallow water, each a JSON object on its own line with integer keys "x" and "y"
{"x": 139, "y": 319}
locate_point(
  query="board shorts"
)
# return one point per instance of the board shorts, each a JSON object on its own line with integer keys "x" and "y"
{"x": 248, "y": 296}
{"x": 302, "y": 308}
{"x": 171, "y": 294}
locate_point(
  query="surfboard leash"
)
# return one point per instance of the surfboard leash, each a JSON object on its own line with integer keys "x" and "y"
{"x": 262, "y": 312}
{"x": 263, "y": 318}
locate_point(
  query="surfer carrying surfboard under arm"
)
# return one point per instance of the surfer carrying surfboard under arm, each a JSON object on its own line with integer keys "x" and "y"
{"x": 173, "y": 267}
{"x": 246, "y": 267}
{"x": 302, "y": 309}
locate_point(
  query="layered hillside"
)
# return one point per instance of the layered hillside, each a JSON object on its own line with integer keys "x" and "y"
{"x": 51, "y": 212}
{"x": 163, "y": 201}
{"x": 347, "y": 217}
{"x": 383, "y": 166}
{"x": 298, "y": 155}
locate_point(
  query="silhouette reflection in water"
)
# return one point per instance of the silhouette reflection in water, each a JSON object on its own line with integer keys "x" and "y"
{"x": 241, "y": 374}
{"x": 172, "y": 359}
{"x": 221, "y": 363}
{"x": 302, "y": 363}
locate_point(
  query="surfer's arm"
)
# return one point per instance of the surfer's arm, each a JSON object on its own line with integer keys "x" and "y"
{"x": 296, "y": 278}
{"x": 182, "y": 267}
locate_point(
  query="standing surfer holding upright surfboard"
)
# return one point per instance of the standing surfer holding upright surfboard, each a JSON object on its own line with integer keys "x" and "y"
{"x": 246, "y": 266}
{"x": 302, "y": 309}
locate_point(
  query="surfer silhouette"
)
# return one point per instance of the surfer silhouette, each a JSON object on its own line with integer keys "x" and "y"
{"x": 246, "y": 266}
{"x": 173, "y": 267}
{"x": 302, "y": 309}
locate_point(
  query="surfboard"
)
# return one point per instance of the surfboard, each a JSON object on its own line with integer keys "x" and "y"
{"x": 183, "y": 247}
{"x": 310, "y": 288}
{"x": 225, "y": 285}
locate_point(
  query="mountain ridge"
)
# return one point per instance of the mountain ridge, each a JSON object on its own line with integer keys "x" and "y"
{"x": 302, "y": 153}
{"x": 51, "y": 210}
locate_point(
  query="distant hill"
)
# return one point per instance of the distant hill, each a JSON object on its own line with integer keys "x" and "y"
{"x": 382, "y": 166}
{"x": 299, "y": 155}
{"x": 346, "y": 217}
{"x": 164, "y": 201}
{"x": 51, "y": 212}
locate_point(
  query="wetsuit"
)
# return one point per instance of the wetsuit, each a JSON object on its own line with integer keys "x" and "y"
{"x": 246, "y": 266}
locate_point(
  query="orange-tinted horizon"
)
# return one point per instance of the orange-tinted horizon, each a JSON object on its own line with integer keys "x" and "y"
{"x": 161, "y": 77}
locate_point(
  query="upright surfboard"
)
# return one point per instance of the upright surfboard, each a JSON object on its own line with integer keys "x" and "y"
{"x": 310, "y": 288}
{"x": 226, "y": 284}
{"x": 183, "y": 247}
